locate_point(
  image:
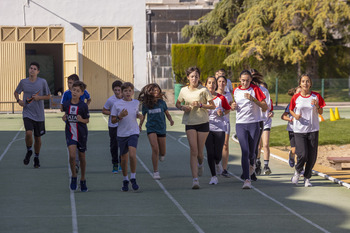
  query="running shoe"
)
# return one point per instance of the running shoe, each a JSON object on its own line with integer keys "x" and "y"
{"x": 295, "y": 178}
{"x": 115, "y": 168}
{"x": 225, "y": 174}
{"x": 161, "y": 158}
{"x": 195, "y": 184}
{"x": 156, "y": 176}
{"x": 214, "y": 180}
{"x": 247, "y": 184}
{"x": 73, "y": 184}
{"x": 125, "y": 187}
{"x": 307, "y": 183}
{"x": 83, "y": 186}
{"x": 27, "y": 157}
{"x": 291, "y": 159}
{"x": 77, "y": 168}
{"x": 253, "y": 177}
{"x": 200, "y": 169}
{"x": 218, "y": 168}
{"x": 36, "y": 162}
{"x": 258, "y": 167}
{"x": 134, "y": 184}
{"x": 267, "y": 170}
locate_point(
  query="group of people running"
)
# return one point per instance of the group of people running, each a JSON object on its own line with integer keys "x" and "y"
{"x": 206, "y": 119}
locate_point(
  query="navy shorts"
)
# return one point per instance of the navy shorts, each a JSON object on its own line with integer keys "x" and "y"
{"x": 125, "y": 142}
{"x": 291, "y": 138}
{"x": 199, "y": 128}
{"x": 158, "y": 135}
{"x": 80, "y": 145}
{"x": 37, "y": 126}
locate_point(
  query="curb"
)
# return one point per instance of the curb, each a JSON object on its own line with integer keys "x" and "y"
{"x": 335, "y": 180}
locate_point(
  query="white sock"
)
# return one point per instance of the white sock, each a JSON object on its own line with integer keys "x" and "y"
{"x": 133, "y": 176}
{"x": 126, "y": 178}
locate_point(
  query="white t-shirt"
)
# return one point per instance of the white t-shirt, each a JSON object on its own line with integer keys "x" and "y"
{"x": 216, "y": 122}
{"x": 265, "y": 115}
{"x": 109, "y": 105}
{"x": 128, "y": 125}
{"x": 247, "y": 111}
{"x": 309, "y": 121}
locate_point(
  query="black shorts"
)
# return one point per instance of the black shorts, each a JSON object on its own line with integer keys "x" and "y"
{"x": 291, "y": 138}
{"x": 158, "y": 135}
{"x": 37, "y": 126}
{"x": 199, "y": 128}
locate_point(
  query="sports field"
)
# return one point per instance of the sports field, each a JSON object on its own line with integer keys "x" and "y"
{"x": 39, "y": 200}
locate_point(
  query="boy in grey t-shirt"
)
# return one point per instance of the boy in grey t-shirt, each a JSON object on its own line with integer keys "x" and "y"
{"x": 35, "y": 91}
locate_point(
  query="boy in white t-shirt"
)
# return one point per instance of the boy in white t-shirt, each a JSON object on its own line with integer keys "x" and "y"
{"x": 126, "y": 112}
{"x": 112, "y": 128}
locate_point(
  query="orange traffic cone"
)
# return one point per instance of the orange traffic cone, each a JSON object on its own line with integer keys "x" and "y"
{"x": 337, "y": 117}
{"x": 320, "y": 117}
{"x": 332, "y": 117}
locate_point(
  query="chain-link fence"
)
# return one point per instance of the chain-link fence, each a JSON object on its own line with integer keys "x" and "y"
{"x": 332, "y": 90}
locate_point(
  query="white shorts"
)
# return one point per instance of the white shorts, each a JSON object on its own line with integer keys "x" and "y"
{"x": 268, "y": 123}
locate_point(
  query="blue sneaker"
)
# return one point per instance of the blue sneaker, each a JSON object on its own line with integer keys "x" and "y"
{"x": 115, "y": 168}
{"x": 73, "y": 184}
{"x": 134, "y": 185}
{"x": 83, "y": 186}
{"x": 125, "y": 187}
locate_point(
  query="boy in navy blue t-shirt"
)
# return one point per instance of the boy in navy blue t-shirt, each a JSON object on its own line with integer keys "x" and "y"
{"x": 76, "y": 117}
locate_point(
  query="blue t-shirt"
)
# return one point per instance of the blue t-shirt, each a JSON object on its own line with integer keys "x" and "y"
{"x": 75, "y": 130}
{"x": 67, "y": 95}
{"x": 156, "y": 117}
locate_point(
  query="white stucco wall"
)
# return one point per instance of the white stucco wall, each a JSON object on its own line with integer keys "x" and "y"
{"x": 73, "y": 14}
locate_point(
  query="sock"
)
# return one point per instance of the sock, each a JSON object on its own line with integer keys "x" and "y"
{"x": 266, "y": 162}
{"x": 36, "y": 155}
{"x": 195, "y": 179}
{"x": 133, "y": 176}
{"x": 200, "y": 165}
{"x": 126, "y": 178}
{"x": 29, "y": 148}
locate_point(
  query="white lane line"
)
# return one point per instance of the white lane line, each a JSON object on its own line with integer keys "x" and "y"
{"x": 9, "y": 145}
{"x": 269, "y": 197}
{"x": 72, "y": 202}
{"x": 176, "y": 203}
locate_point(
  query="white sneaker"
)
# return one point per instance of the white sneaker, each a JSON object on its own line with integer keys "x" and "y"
{"x": 156, "y": 176}
{"x": 195, "y": 184}
{"x": 307, "y": 183}
{"x": 161, "y": 158}
{"x": 218, "y": 168}
{"x": 200, "y": 169}
{"x": 247, "y": 184}
{"x": 214, "y": 180}
{"x": 295, "y": 178}
{"x": 251, "y": 169}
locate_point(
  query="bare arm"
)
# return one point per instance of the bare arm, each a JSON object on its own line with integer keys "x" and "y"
{"x": 170, "y": 119}
{"x": 88, "y": 101}
{"x": 296, "y": 116}
{"x": 184, "y": 108}
{"x": 82, "y": 120}
{"x": 141, "y": 121}
{"x": 285, "y": 116}
{"x": 106, "y": 111}
{"x": 19, "y": 101}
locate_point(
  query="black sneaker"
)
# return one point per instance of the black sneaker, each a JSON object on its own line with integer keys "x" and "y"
{"x": 125, "y": 187}
{"x": 27, "y": 158}
{"x": 225, "y": 174}
{"x": 133, "y": 184}
{"x": 267, "y": 170}
{"x": 36, "y": 162}
{"x": 73, "y": 184}
{"x": 253, "y": 177}
{"x": 258, "y": 167}
{"x": 83, "y": 186}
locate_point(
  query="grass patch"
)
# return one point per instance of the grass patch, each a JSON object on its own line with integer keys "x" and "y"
{"x": 331, "y": 132}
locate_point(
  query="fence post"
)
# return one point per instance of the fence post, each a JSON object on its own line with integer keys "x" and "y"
{"x": 322, "y": 88}
{"x": 276, "y": 91}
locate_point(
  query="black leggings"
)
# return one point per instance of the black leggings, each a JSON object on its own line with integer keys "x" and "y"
{"x": 214, "y": 144}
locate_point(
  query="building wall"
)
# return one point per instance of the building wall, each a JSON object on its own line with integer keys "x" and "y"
{"x": 73, "y": 15}
{"x": 166, "y": 25}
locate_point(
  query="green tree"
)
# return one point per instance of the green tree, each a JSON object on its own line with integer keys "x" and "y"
{"x": 292, "y": 31}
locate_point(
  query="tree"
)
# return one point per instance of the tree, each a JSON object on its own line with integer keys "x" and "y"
{"x": 293, "y": 31}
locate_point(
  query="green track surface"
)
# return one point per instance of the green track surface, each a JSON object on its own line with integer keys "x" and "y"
{"x": 39, "y": 200}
